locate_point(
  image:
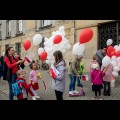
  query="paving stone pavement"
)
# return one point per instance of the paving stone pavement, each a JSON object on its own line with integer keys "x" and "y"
{"x": 49, "y": 94}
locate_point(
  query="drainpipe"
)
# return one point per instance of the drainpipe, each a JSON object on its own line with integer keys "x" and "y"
{"x": 74, "y": 33}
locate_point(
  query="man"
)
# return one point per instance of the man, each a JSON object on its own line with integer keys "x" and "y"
{"x": 100, "y": 55}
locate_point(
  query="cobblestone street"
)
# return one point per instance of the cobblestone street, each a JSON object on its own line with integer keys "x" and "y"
{"x": 50, "y": 95}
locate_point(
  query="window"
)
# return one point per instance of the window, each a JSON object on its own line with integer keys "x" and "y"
{"x": 19, "y": 26}
{"x": 108, "y": 31}
{"x": 18, "y": 48}
{"x": 6, "y": 46}
{"x": 8, "y": 28}
{"x": 0, "y": 31}
{"x": 45, "y": 23}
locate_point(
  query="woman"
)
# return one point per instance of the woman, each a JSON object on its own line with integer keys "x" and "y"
{"x": 58, "y": 82}
{"x": 10, "y": 69}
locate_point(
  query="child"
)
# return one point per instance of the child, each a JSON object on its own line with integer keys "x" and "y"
{"x": 79, "y": 84}
{"x": 107, "y": 79}
{"x": 26, "y": 88}
{"x": 34, "y": 76}
{"x": 93, "y": 61}
{"x": 96, "y": 80}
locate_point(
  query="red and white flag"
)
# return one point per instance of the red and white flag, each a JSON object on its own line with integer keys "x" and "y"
{"x": 85, "y": 78}
{"x": 28, "y": 58}
{"x": 53, "y": 72}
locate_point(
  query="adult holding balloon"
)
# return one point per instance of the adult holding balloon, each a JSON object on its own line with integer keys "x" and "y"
{"x": 100, "y": 55}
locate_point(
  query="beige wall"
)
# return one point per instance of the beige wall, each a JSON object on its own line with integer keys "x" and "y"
{"x": 72, "y": 34}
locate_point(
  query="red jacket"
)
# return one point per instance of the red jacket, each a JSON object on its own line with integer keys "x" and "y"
{"x": 25, "y": 89}
{"x": 14, "y": 66}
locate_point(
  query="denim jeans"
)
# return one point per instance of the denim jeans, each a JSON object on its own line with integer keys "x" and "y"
{"x": 79, "y": 84}
{"x": 72, "y": 82}
{"x": 14, "y": 77}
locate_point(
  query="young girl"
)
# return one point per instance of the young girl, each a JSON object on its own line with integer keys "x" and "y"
{"x": 33, "y": 77}
{"x": 107, "y": 79}
{"x": 93, "y": 61}
{"x": 96, "y": 80}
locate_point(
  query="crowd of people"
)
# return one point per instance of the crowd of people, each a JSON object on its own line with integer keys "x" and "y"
{"x": 12, "y": 70}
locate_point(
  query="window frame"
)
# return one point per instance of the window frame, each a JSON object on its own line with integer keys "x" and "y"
{"x": 17, "y": 49}
{"x": 42, "y": 22}
{"x": 8, "y": 28}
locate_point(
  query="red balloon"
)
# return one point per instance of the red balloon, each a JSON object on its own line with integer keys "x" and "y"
{"x": 111, "y": 48}
{"x": 118, "y": 54}
{"x": 43, "y": 56}
{"x": 85, "y": 36}
{"x": 27, "y": 44}
{"x": 57, "y": 39}
{"x": 113, "y": 53}
{"x": 108, "y": 54}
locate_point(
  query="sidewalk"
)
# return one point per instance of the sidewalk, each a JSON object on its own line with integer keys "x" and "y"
{"x": 50, "y": 95}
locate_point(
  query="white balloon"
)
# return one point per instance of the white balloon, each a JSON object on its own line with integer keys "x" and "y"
{"x": 115, "y": 74}
{"x": 109, "y": 42}
{"x": 37, "y": 39}
{"x": 40, "y": 50}
{"x": 114, "y": 63}
{"x": 116, "y": 68}
{"x": 113, "y": 58}
{"x": 106, "y": 61}
{"x": 46, "y": 39}
{"x": 118, "y": 59}
{"x": 115, "y": 46}
{"x": 117, "y": 49}
{"x": 48, "y": 61}
{"x": 61, "y": 28}
{"x": 119, "y": 65}
{"x": 78, "y": 49}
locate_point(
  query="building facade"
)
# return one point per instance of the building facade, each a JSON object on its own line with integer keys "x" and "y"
{"x": 15, "y": 32}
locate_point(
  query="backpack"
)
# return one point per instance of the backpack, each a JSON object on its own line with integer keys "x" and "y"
{"x": 16, "y": 89}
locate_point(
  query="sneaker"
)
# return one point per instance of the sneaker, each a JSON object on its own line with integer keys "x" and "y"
{"x": 75, "y": 92}
{"x": 70, "y": 92}
{"x": 33, "y": 98}
{"x": 37, "y": 96}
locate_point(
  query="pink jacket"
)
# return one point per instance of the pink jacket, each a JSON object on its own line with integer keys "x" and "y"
{"x": 108, "y": 73}
{"x": 33, "y": 76}
{"x": 96, "y": 77}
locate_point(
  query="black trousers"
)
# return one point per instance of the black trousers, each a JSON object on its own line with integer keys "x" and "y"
{"x": 107, "y": 87}
{"x": 98, "y": 91}
{"x": 59, "y": 95}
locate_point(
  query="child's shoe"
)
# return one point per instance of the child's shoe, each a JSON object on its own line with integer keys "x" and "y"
{"x": 76, "y": 92}
{"x": 37, "y": 96}
{"x": 33, "y": 98}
